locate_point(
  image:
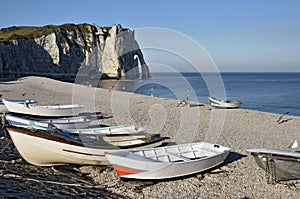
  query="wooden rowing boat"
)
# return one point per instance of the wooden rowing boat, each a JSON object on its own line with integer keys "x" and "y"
{"x": 46, "y": 111}
{"x": 55, "y": 147}
{"x": 3, "y": 108}
{"x": 62, "y": 123}
{"x": 121, "y": 129}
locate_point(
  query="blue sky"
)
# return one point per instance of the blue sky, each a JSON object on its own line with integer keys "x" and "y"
{"x": 253, "y": 35}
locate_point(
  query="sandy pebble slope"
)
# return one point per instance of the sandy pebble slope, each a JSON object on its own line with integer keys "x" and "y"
{"x": 239, "y": 129}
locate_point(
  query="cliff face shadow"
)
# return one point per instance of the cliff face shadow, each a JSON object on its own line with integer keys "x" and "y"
{"x": 30, "y": 58}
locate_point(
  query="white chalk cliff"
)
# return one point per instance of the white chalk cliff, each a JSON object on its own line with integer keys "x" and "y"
{"x": 62, "y": 50}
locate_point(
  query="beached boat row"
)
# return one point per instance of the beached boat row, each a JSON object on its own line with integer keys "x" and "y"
{"x": 54, "y": 141}
{"x": 130, "y": 155}
{"x": 131, "y": 152}
{"x": 30, "y": 107}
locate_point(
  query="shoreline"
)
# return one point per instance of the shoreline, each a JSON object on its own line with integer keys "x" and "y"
{"x": 238, "y": 129}
{"x": 258, "y": 100}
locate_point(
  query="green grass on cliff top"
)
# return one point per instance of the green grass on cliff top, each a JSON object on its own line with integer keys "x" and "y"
{"x": 32, "y": 32}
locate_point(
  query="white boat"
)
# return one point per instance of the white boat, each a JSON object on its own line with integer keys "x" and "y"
{"x": 46, "y": 111}
{"x": 224, "y": 103}
{"x": 280, "y": 165}
{"x": 55, "y": 147}
{"x": 118, "y": 137}
{"x": 3, "y": 108}
{"x": 169, "y": 161}
{"x": 121, "y": 129}
{"x": 62, "y": 123}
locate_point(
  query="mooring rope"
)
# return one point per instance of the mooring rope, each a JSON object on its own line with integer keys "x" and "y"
{"x": 19, "y": 177}
{"x": 3, "y": 120}
{"x": 9, "y": 141}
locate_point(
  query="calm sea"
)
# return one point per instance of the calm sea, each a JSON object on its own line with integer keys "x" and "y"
{"x": 268, "y": 92}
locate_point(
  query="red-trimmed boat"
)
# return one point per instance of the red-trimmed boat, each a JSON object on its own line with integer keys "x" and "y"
{"x": 56, "y": 147}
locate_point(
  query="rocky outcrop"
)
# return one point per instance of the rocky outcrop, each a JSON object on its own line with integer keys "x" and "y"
{"x": 60, "y": 51}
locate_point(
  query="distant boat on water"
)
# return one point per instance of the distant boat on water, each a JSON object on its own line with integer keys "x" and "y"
{"x": 217, "y": 103}
{"x": 257, "y": 91}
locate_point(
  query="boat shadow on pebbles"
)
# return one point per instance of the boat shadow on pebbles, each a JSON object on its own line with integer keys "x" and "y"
{"x": 232, "y": 157}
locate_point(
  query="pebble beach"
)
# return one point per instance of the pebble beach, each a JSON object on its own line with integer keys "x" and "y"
{"x": 239, "y": 129}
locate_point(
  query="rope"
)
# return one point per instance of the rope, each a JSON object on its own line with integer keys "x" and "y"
{"x": 3, "y": 120}
{"x": 11, "y": 161}
{"x": 19, "y": 177}
{"x": 9, "y": 141}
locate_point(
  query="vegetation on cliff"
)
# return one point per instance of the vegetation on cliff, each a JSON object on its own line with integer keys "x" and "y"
{"x": 32, "y": 32}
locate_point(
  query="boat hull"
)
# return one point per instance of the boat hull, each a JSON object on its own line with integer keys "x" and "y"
{"x": 286, "y": 163}
{"x": 45, "y": 111}
{"x": 122, "y": 129}
{"x": 62, "y": 123}
{"x": 135, "y": 166}
{"x": 3, "y": 108}
{"x": 47, "y": 151}
{"x": 111, "y": 130}
{"x": 223, "y": 104}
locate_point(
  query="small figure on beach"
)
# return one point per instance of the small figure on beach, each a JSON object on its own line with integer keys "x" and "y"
{"x": 187, "y": 91}
{"x": 182, "y": 103}
{"x": 282, "y": 118}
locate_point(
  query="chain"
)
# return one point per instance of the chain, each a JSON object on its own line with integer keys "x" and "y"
{"x": 267, "y": 170}
{"x": 270, "y": 170}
